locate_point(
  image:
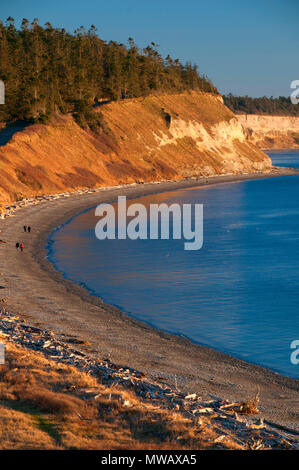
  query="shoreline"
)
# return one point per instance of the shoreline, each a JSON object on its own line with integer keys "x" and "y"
{"x": 42, "y": 296}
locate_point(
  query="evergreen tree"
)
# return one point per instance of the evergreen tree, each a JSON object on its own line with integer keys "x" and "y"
{"x": 281, "y": 106}
{"x": 48, "y": 70}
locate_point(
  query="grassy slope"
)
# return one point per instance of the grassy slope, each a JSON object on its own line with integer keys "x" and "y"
{"x": 136, "y": 145}
{"x": 49, "y": 405}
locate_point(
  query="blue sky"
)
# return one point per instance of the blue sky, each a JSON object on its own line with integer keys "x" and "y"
{"x": 245, "y": 47}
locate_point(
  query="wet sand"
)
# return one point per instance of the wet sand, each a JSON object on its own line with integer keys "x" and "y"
{"x": 40, "y": 295}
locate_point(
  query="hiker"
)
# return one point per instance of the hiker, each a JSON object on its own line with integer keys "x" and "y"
{"x": 25, "y": 228}
{"x": 22, "y": 246}
{"x": 17, "y": 245}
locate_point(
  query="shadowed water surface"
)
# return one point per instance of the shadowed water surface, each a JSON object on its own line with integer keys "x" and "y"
{"x": 238, "y": 294}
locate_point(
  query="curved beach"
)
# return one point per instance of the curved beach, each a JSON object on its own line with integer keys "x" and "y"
{"x": 37, "y": 292}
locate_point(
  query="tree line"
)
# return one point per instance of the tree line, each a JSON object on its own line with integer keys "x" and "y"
{"x": 48, "y": 70}
{"x": 281, "y": 106}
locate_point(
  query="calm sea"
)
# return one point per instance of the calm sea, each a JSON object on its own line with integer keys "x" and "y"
{"x": 238, "y": 294}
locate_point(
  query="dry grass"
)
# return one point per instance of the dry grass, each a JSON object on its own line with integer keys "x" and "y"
{"x": 46, "y": 405}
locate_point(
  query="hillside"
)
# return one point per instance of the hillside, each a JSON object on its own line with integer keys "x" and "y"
{"x": 271, "y": 132}
{"x": 50, "y": 405}
{"x": 48, "y": 70}
{"x": 52, "y": 396}
{"x": 142, "y": 139}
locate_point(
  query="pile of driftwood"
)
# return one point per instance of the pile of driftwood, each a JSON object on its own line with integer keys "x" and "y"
{"x": 239, "y": 422}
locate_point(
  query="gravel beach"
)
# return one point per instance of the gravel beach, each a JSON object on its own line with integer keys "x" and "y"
{"x": 33, "y": 289}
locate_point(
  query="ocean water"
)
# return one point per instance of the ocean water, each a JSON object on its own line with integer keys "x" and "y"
{"x": 238, "y": 294}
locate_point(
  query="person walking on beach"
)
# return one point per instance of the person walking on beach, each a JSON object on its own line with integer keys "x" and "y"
{"x": 25, "y": 228}
{"x": 17, "y": 245}
{"x": 22, "y": 246}
{"x": 29, "y": 229}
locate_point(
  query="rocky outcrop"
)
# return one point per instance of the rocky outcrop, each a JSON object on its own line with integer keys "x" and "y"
{"x": 144, "y": 139}
{"x": 271, "y": 132}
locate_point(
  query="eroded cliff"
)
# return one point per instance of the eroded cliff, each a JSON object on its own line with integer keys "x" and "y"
{"x": 271, "y": 132}
{"x": 144, "y": 139}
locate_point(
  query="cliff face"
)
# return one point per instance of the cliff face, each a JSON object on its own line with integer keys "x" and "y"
{"x": 271, "y": 132}
{"x": 144, "y": 139}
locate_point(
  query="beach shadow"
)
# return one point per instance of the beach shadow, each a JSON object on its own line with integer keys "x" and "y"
{"x": 101, "y": 103}
{"x": 10, "y": 130}
{"x": 42, "y": 421}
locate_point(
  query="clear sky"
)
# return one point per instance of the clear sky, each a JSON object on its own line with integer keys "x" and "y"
{"x": 245, "y": 47}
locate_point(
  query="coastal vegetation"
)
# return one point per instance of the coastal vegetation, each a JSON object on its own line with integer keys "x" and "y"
{"x": 281, "y": 106}
{"x": 138, "y": 116}
{"x": 48, "y": 70}
{"x": 50, "y": 405}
